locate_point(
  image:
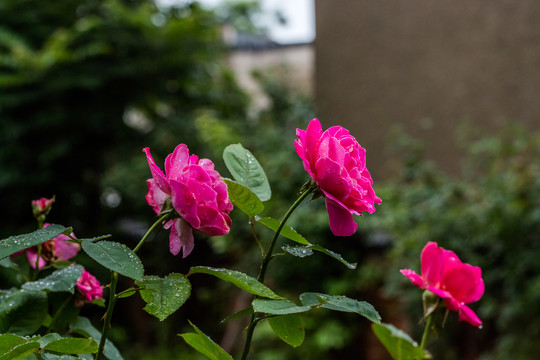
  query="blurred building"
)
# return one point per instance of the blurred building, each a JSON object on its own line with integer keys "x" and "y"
{"x": 427, "y": 66}
{"x": 290, "y": 63}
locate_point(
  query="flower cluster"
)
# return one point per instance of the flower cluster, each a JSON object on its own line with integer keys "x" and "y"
{"x": 337, "y": 164}
{"x": 446, "y": 276}
{"x": 196, "y": 192}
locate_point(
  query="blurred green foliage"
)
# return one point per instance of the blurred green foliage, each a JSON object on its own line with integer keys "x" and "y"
{"x": 490, "y": 217}
{"x": 85, "y": 85}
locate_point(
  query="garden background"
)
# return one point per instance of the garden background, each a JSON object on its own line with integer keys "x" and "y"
{"x": 85, "y": 85}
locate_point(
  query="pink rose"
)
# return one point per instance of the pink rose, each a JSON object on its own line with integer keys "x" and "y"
{"x": 197, "y": 192}
{"x": 42, "y": 206}
{"x": 58, "y": 249}
{"x": 446, "y": 276}
{"x": 337, "y": 163}
{"x": 89, "y": 286}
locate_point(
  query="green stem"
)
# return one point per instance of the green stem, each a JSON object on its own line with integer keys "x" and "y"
{"x": 68, "y": 300}
{"x": 252, "y": 226}
{"x": 427, "y": 329}
{"x": 266, "y": 260}
{"x": 35, "y": 269}
{"x": 114, "y": 281}
{"x": 268, "y": 255}
{"x": 152, "y": 228}
{"x": 108, "y": 314}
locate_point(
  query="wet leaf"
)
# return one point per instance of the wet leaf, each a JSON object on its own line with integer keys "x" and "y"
{"x": 116, "y": 257}
{"x": 163, "y": 296}
{"x": 247, "y": 171}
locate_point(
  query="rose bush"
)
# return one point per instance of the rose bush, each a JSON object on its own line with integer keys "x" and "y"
{"x": 446, "y": 276}
{"x": 197, "y": 193}
{"x": 337, "y": 163}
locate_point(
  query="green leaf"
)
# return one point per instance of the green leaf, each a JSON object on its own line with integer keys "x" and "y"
{"x": 61, "y": 280}
{"x": 84, "y": 327}
{"x": 164, "y": 296}
{"x": 44, "y": 340}
{"x": 48, "y": 356}
{"x": 203, "y": 344}
{"x": 20, "y": 351}
{"x": 241, "y": 280}
{"x": 341, "y": 303}
{"x": 22, "y": 312}
{"x": 238, "y": 314}
{"x": 116, "y": 257}
{"x": 286, "y": 231}
{"x": 73, "y": 346}
{"x": 278, "y": 307}
{"x": 244, "y": 199}
{"x": 247, "y": 171}
{"x": 12, "y": 244}
{"x": 97, "y": 238}
{"x": 298, "y": 251}
{"x": 9, "y": 341}
{"x": 399, "y": 344}
{"x": 8, "y": 263}
{"x": 288, "y": 328}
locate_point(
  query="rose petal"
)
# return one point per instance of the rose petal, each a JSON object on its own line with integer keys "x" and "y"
{"x": 340, "y": 219}
{"x": 466, "y": 314}
{"x": 155, "y": 196}
{"x": 65, "y": 249}
{"x": 330, "y": 178}
{"x": 432, "y": 260}
{"x": 181, "y": 237}
{"x": 313, "y": 138}
{"x": 176, "y": 162}
{"x": 464, "y": 281}
{"x": 31, "y": 255}
{"x": 157, "y": 174}
{"x": 185, "y": 203}
{"x": 414, "y": 277}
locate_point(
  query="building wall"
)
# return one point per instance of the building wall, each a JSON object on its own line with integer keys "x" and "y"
{"x": 427, "y": 66}
{"x": 293, "y": 64}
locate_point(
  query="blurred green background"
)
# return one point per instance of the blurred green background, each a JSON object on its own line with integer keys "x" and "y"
{"x": 85, "y": 85}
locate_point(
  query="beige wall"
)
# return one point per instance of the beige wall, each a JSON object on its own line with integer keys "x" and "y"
{"x": 427, "y": 65}
{"x": 293, "y": 64}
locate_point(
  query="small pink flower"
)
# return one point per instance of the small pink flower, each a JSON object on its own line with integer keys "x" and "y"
{"x": 42, "y": 206}
{"x": 446, "y": 276}
{"x": 337, "y": 163}
{"x": 197, "y": 193}
{"x": 89, "y": 286}
{"x": 57, "y": 249}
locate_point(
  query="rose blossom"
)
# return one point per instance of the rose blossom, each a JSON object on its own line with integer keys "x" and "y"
{"x": 197, "y": 193}
{"x": 89, "y": 286}
{"x": 337, "y": 163}
{"x": 57, "y": 249}
{"x": 42, "y": 205}
{"x": 446, "y": 276}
